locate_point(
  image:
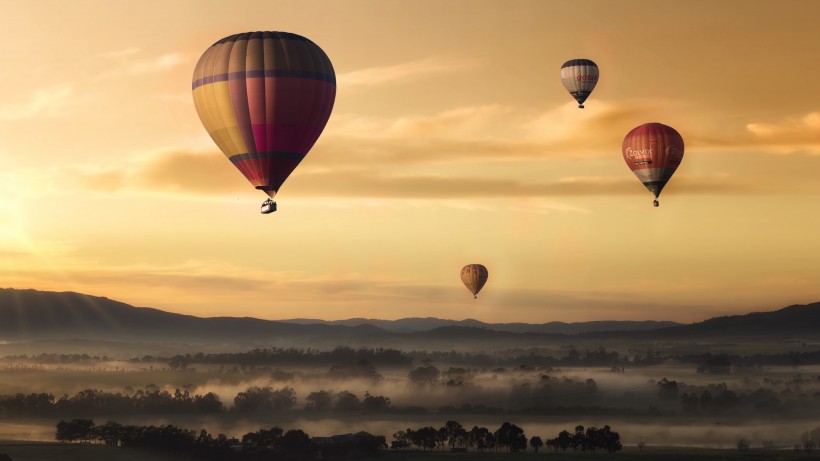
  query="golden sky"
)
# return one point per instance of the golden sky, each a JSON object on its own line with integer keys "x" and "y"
{"x": 452, "y": 141}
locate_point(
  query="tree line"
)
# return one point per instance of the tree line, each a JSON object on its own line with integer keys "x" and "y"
{"x": 276, "y": 443}
{"x": 264, "y": 444}
{"x": 299, "y": 357}
{"x": 152, "y": 401}
{"x": 508, "y": 438}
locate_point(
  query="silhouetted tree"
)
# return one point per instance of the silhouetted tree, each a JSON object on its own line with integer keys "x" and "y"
{"x": 424, "y": 375}
{"x": 536, "y": 443}
{"x": 320, "y": 401}
{"x": 347, "y": 401}
{"x": 667, "y": 390}
{"x": 374, "y": 404}
{"x": 425, "y": 437}
{"x": 478, "y": 437}
{"x": 296, "y": 443}
{"x": 263, "y": 438}
{"x": 74, "y": 430}
{"x": 358, "y": 369}
{"x": 401, "y": 441}
{"x": 264, "y": 399}
{"x": 456, "y": 434}
{"x": 511, "y": 436}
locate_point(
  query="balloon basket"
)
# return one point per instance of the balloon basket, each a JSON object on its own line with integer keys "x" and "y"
{"x": 268, "y": 206}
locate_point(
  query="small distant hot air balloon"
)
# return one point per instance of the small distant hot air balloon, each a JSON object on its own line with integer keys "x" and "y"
{"x": 264, "y": 97}
{"x": 653, "y": 152}
{"x": 474, "y": 277}
{"x": 579, "y": 77}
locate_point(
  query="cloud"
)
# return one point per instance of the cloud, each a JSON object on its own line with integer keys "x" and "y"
{"x": 413, "y": 70}
{"x": 166, "y": 171}
{"x": 491, "y": 132}
{"x": 119, "y": 54}
{"x": 52, "y": 101}
{"x": 469, "y": 152}
{"x": 789, "y": 135}
{"x": 162, "y": 63}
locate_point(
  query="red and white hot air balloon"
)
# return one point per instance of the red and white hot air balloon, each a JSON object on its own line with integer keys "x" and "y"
{"x": 653, "y": 151}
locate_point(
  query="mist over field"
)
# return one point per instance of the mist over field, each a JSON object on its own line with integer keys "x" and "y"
{"x": 763, "y": 404}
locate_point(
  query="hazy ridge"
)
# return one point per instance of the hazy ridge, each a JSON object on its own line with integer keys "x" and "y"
{"x": 39, "y": 315}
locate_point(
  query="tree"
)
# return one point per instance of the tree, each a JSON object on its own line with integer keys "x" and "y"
{"x": 689, "y": 402}
{"x": 4, "y": 457}
{"x": 359, "y": 369}
{"x": 264, "y": 399}
{"x": 76, "y": 429}
{"x": 347, "y": 401}
{"x": 424, "y": 375}
{"x": 425, "y": 437}
{"x": 667, "y": 390}
{"x": 320, "y": 401}
{"x": 263, "y": 438}
{"x": 401, "y": 440}
{"x": 110, "y": 433}
{"x": 579, "y": 438}
{"x": 536, "y": 443}
{"x": 375, "y": 404}
{"x": 478, "y": 437}
{"x": 456, "y": 434}
{"x": 512, "y": 437}
{"x": 296, "y": 443}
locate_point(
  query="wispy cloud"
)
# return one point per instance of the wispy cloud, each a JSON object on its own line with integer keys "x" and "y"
{"x": 51, "y": 101}
{"x": 188, "y": 173}
{"x": 789, "y": 135}
{"x": 118, "y": 54}
{"x": 162, "y": 63}
{"x": 401, "y": 72}
{"x": 177, "y": 172}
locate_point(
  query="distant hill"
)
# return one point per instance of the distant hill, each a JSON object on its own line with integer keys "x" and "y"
{"x": 413, "y": 324}
{"x": 30, "y": 315}
{"x": 799, "y": 320}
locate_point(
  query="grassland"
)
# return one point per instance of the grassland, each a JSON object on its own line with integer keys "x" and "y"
{"x": 85, "y": 452}
{"x": 41, "y": 451}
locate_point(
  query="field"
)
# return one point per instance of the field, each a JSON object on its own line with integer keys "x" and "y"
{"x": 73, "y": 452}
{"x": 84, "y": 452}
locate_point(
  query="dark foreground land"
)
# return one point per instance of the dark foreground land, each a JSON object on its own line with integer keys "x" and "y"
{"x": 45, "y": 451}
{"x": 41, "y": 451}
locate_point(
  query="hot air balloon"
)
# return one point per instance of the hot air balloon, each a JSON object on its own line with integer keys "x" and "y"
{"x": 264, "y": 97}
{"x": 579, "y": 77}
{"x": 653, "y": 152}
{"x": 474, "y": 277}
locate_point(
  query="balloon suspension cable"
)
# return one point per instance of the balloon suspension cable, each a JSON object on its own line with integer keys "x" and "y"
{"x": 655, "y": 203}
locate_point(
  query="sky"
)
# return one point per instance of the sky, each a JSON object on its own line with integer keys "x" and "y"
{"x": 452, "y": 141}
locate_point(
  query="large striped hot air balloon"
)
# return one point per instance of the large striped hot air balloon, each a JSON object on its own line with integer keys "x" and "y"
{"x": 653, "y": 152}
{"x": 474, "y": 277}
{"x": 264, "y": 97}
{"x": 579, "y": 77}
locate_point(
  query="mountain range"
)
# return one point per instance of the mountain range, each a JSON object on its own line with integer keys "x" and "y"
{"x": 414, "y": 324}
{"x": 30, "y": 315}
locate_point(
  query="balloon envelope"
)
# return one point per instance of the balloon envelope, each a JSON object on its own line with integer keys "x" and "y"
{"x": 579, "y": 77}
{"x": 474, "y": 277}
{"x": 653, "y": 151}
{"x": 264, "y": 97}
